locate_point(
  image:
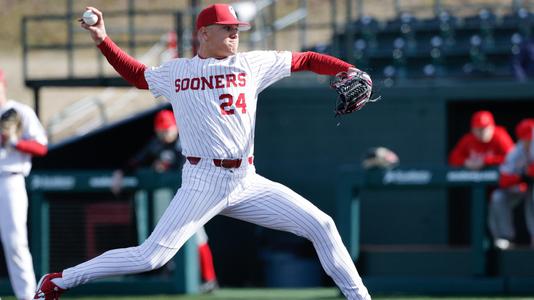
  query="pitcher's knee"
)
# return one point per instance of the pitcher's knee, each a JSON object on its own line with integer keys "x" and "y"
{"x": 154, "y": 263}
{"x": 325, "y": 223}
{"x": 149, "y": 256}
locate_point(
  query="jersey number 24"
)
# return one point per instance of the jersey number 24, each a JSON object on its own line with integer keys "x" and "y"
{"x": 228, "y": 101}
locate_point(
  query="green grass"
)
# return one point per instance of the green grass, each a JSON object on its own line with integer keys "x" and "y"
{"x": 275, "y": 294}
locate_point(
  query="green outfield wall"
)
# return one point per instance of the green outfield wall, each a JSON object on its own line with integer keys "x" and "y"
{"x": 299, "y": 142}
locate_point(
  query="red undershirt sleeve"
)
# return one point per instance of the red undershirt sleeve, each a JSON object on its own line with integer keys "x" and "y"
{"x": 318, "y": 63}
{"x": 530, "y": 170}
{"x": 508, "y": 180}
{"x": 128, "y": 67}
{"x": 32, "y": 147}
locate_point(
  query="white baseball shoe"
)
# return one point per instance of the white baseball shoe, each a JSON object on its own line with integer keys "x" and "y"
{"x": 48, "y": 290}
{"x": 502, "y": 244}
{"x": 209, "y": 286}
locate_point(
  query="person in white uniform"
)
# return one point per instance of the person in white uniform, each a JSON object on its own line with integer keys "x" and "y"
{"x": 16, "y": 151}
{"x": 515, "y": 187}
{"x": 214, "y": 97}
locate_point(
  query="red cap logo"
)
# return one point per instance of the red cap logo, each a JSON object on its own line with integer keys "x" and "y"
{"x": 221, "y": 14}
{"x": 164, "y": 120}
{"x": 481, "y": 119}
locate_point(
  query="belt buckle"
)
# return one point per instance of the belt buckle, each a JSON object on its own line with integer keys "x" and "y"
{"x": 230, "y": 163}
{"x": 226, "y": 164}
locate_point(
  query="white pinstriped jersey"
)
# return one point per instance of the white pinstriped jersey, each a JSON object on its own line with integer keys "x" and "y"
{"x": 214, "y": 100}
{"x": 15, "y": 161}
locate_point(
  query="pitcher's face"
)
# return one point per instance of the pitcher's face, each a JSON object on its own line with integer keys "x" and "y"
{"x": 220, "y": 41}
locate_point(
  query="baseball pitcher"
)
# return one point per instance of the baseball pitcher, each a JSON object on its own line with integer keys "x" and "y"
{"x": 214, "y": 98}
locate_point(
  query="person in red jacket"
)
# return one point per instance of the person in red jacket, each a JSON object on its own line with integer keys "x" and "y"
{"x": 515, "y": 186}
{"x": 486, "y": 145}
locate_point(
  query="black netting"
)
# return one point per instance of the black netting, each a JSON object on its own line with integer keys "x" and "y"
{"x": 83, "y": 227}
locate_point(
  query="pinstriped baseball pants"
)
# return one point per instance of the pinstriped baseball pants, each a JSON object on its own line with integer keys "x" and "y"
{"x": 238, "y": 193}
{"x": 501, "y": 215}
{"x": 14, "y": 235}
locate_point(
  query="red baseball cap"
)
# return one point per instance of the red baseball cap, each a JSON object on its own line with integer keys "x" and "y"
{"x": 164, "y": 120}
{"x": 222, "y": 14}
{"x": 481, "y": 119}
{"x": 525, "y": 129}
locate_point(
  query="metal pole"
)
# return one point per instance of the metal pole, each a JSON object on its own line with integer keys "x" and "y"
{"x": 333, "y": 24}
{"x": 273, "y": 18}
{"x": 437, "y": 7}
{"x": 348, "y": 9}
{"x": 40, "y": 237}
{"x": 349, "y": 41}
{"x": 36, "y": 100}
{"x": 397, "y": 7}
{"x": 100, "y": 60}
{"x": 302, "y": 25}
{"x": 131, "y": 26}
{"x": 195, "y": 10}
{"x": 478, "y": 234}
{"x": 24, "y": 42}
{"x": 70, "y": 38}
{"x": 179, "y": 31}
{"x": 359, "y": 8}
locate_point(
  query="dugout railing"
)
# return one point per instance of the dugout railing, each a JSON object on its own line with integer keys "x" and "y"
{"x": 484, "y": 270}
{"x": 74, "y": 216}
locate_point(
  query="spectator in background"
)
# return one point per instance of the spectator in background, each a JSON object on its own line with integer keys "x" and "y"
{"x": 163, "y": 153}
{"x": 515, "y": 182}
{"x": 486, "y": 145}
{"x": 523, "y": 61}
{"x": 17, "y": 146}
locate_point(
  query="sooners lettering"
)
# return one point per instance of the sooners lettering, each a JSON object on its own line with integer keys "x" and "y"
{"x": 212, "y": 82}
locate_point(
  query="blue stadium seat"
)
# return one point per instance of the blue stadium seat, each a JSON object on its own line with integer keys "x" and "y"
{"x": 520, "y": 18}
{"x": 443, "y": 46}
{"x": 366, "y": 29}
{"x": 443, "y": 25}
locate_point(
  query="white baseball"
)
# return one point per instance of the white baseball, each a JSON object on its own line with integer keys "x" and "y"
{"x": 89, "y": 17}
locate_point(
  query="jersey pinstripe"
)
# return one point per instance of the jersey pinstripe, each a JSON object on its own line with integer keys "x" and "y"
{"x": 200, "y": 89}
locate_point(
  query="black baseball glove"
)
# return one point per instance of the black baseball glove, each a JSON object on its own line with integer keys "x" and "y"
{"x": 354, "y": 90}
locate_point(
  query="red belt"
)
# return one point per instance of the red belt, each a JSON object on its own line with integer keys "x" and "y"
{"x": 223, "y": 163}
